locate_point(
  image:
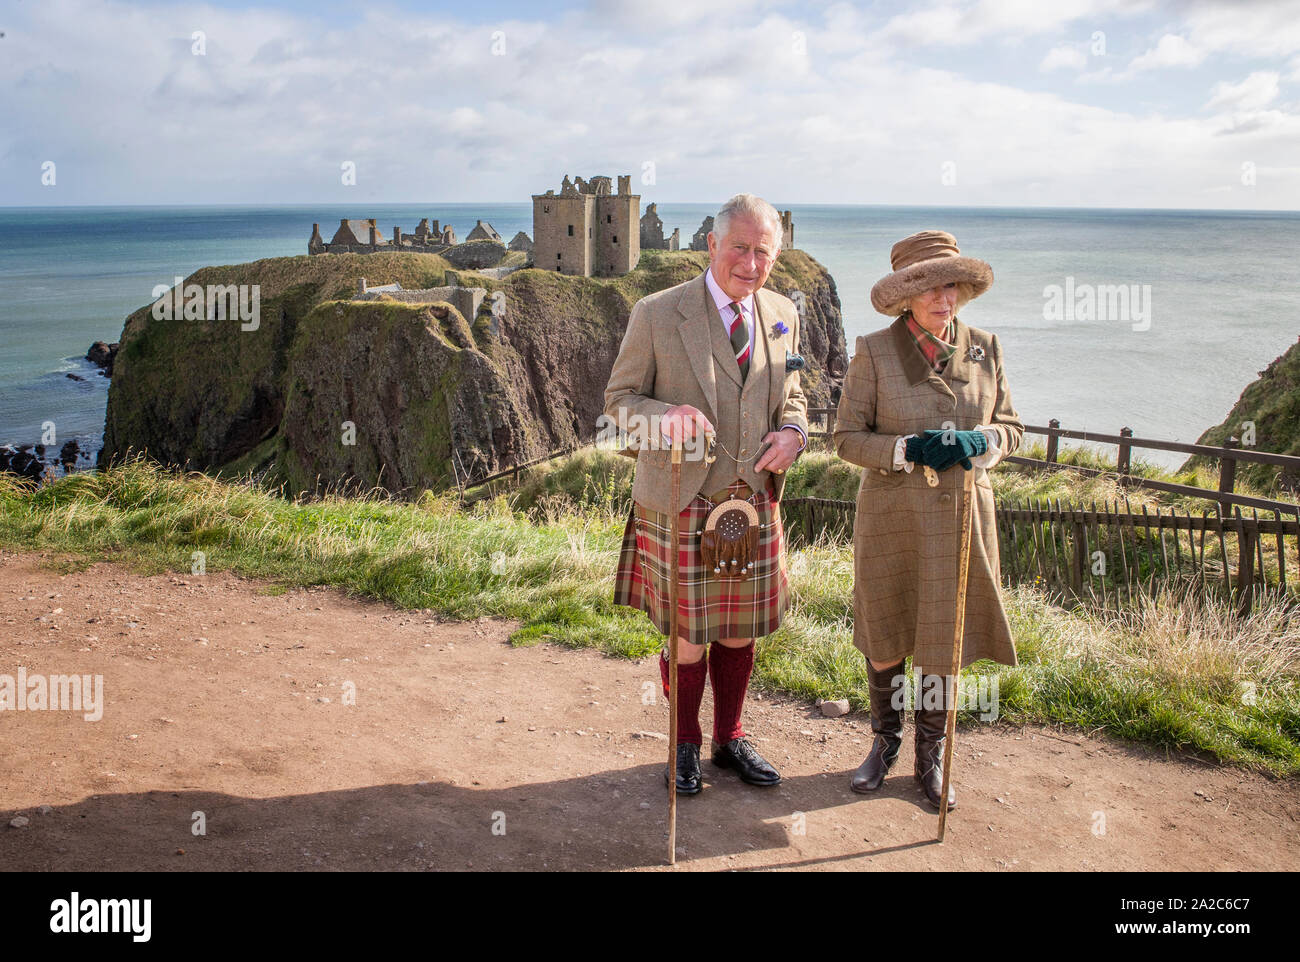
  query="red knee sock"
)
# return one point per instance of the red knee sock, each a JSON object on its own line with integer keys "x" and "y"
{"x": 729, "y": 668}
{"x": 690, "y": 692}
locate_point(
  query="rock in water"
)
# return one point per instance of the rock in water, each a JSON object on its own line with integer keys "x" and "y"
{"x": 102, "y": 355}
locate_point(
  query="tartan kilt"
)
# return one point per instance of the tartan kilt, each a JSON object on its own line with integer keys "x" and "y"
{"x": 709, "y": 607}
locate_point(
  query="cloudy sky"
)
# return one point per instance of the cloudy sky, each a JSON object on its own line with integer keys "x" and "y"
{"x": 1110, "y": 103}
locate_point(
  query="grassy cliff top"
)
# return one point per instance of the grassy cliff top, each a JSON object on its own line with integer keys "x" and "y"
{"x": 1270, "y": 408}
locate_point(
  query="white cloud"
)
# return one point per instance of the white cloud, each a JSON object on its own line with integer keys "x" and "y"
{"x": 426, "y": 111}
{"x": 1253, "y": 93}
{"x": 957, "y": 23}
{"x": 1172, "y": 51}
{"x": 1267, "y": 29}
{"x": 1064, "y": 55}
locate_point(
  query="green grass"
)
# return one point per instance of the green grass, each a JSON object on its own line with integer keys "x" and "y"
{"x": 1169, "y": 675}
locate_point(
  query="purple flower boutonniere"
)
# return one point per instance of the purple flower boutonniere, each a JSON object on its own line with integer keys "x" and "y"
{"x": 779, "y": 328}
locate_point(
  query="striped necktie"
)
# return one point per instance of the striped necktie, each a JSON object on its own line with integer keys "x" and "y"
{"x": 740, "y": 340}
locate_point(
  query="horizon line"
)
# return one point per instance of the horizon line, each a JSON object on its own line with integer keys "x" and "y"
{"x": 787, "y": 204}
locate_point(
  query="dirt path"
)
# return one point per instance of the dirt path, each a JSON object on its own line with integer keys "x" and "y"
{"x": 454, "y": 736}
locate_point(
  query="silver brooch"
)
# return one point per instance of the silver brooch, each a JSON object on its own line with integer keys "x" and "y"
{"x": 976, "y": 353}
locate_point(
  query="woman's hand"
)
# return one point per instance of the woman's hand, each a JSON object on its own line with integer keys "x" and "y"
{"x": 942, "y": 449}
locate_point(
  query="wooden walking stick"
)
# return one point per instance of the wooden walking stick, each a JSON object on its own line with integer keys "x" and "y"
{"x": 676, "y": 568}
{"x": 958, "y": 636}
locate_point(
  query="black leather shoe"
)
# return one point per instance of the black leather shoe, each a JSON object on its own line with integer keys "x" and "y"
{"x": 689, "y": 781}
{"x": 751, "y": 766}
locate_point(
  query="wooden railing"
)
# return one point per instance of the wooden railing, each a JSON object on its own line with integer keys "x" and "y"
{"x": 1228, "y": 456}
{"x": 465, "y": 482}
{"x": 1108, "y": 554}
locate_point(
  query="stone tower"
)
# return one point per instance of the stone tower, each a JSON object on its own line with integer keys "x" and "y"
{"x": 618, "y": 229}
{"x": 585, "y": 229}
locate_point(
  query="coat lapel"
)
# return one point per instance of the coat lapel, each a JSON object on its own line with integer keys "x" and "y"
{"x": 959, "y": 365}
{"x": 915, "y": 366}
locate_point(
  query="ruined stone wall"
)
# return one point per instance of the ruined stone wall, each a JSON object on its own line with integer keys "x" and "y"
{"x": 466, "y": 300}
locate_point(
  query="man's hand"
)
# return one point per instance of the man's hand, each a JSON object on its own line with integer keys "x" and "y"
{"x": 682, "y": 421}
{"x": 784, "y": 448}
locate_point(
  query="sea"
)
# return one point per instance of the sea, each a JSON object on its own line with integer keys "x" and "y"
{"x": 1155, "y": 320}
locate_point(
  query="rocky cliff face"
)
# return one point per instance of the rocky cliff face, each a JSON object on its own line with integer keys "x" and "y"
{"x": 1271, "y": 404}
{"x": 328, "y": 390}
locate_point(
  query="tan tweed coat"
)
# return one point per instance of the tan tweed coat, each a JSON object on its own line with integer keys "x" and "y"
{"x": 676, "y": 351}
{"x": 905, "y": 533}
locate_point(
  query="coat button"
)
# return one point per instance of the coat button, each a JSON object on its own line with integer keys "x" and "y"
{"x": 945, "y": 497}
{"x": 883, "y": 471}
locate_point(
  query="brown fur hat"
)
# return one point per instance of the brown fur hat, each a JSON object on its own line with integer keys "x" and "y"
{"x": 927, "y": 259}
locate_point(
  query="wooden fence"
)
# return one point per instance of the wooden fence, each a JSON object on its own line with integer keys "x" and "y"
{"x": 1228, "y": 456}
{"x": 1110, "y": 555}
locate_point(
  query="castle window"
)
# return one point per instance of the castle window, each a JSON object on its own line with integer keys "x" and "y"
{"x": 609, "y": 218}
{"x": 546, "y": 208}
{"x": 570, "y": 230}
{"x": 588, "y": 233}
{"x": 615, "y": 238}
{"x": 559, "y": 256}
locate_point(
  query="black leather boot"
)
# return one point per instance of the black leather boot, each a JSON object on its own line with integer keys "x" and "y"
{"x": 931, "y": 734}
{"x": 887, "y": 723}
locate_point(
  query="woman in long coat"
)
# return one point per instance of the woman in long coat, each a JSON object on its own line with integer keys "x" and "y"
{"x": 927, "y": 390}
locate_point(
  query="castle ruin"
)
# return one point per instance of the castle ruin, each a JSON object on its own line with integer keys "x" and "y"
{"x": 466, "y": 300}
{"x": 587, "y": 230}
{"x": 652, "y": 232}
{"x": 362, "y": 236}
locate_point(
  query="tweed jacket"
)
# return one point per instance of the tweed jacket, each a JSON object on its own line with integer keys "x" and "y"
{"x": 905, "y": 533}
{"x": 676, "y": 351}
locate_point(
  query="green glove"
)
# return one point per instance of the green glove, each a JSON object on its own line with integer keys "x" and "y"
{"x": 942, "y": 449}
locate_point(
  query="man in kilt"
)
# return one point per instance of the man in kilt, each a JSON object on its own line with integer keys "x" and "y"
{"x": 710, "y": 357}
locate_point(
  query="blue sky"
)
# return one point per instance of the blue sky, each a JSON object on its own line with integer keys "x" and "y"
{"x": 1125, "y": 103}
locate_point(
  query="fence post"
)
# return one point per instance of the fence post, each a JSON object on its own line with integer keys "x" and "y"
{"x": 1122, "y": 462}
{"x": 1228, "y": 467}
{"x": 1052, "y": 440}
{"x": 1080, "y": 558}
{"x": 1246, "y": 536}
